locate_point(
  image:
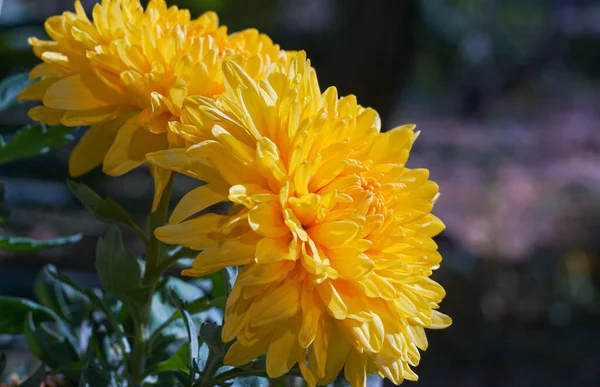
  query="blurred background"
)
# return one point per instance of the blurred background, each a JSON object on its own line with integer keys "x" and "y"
{"x": 506, "y": 95}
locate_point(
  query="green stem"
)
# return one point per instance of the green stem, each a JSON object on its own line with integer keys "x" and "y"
{"x": 212, "y": 365}
{"x": 138, "y": 358}
{"x": 152, "y": 274}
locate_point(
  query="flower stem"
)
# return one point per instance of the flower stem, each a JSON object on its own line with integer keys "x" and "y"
{"x": 138, "y": 353}
{"x": 152, "y": 273}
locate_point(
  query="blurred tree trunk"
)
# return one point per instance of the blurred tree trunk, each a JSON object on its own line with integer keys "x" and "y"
{"x": 380, "y": 52}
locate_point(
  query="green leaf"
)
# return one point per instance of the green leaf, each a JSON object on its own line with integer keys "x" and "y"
{"x": 192, "y": 331}
{"x": 64, "y": 299}
{"x": 210, "y": 333}
{"x": 33, "y": 140}
{"x": 202, "y": 304}
{"x": 219, "y": 288}
{"x": 95, "y": 375}
{"x": 71, "y": 370}
{"x": 10, "y": 88}
{"x": 32, "y": 245}
{"x": 183, "y": 378}
{"x": 53, "y": 348}
{"x": 167, "y": 327}
{"x": 93, "y": 299}
{"x": 118, "y": 269}
{"x": 104, "y": 209}
{"x": 15, "y": 310}
{"x": 230, "y": 273}
{"x": 178, "y": 362}
{"x": 36, "y": 379}
{"x": 165, "y": 318}
{"x": 49, "y": 292}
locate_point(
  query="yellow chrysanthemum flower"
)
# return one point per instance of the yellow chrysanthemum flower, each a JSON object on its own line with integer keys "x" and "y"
{"x": 126, "y": 73}
{"x": 333, "y": 230}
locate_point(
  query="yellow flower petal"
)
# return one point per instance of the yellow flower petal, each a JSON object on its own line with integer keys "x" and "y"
{"x": 393, "y": 146}
{"x": 45, "y": 115}
{"x": 36, "y": 90}
{"x": 180, "y": 161}
{"x": 250, "y": 194}
{"x": 266, "y": 219}
{"x": 143, "y": 141}
{"x": 44, "y": 70}
{"x": 368, "y": 334}
{"x": 284, "y": 350}
{"x": 89, "y": 117}
{"x": 332, "y": 300}
{"x": 350, "y": 263}
{"x": 192, "y": 233}
{"x": 197, "y": 200}
{"x": 117, "y": 161}
{"x": 256, "y": 275}
{"x": 238, "y": 354}
{"x": 270, "y": 250}
{"x": 85, "y": 91}
{"x": 212, "y": 260}
{"x": 92, "y": 148}
{"x": 161, "y": 179}
{"x": 302, "y": 178}
{"x": 311, "y": 314}
{"x": 337, "y": 352}
{"x": 440, "y": 321}
{"x": 355, "y": 369}
{"x": 335, "y": 234}
{"x": 281, "y": 302}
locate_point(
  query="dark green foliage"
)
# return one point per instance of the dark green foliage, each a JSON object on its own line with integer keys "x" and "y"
{"x": 230, "y": 274}
{"x": 104, "y": 209}
{"x": 96, "y": 375}
{"x": 180, "y": 361}
{"x": 33, "y": 140}
{"x": 15, "y": 311}
{"x": 10, "y": 87}
{"x": 52, "y": 347}
{"x": 191, "y": 329}
{"x": 22, "y": 244}
{"x": 61, "y": 298}
{"x": 119, "y": 271}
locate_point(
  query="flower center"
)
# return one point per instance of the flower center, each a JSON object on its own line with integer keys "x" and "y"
{"x": 370, "y": 201}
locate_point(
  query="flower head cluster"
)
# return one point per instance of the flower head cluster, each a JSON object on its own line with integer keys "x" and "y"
{"x": 332, "y": 229}
{"x": 127, "y": 71}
